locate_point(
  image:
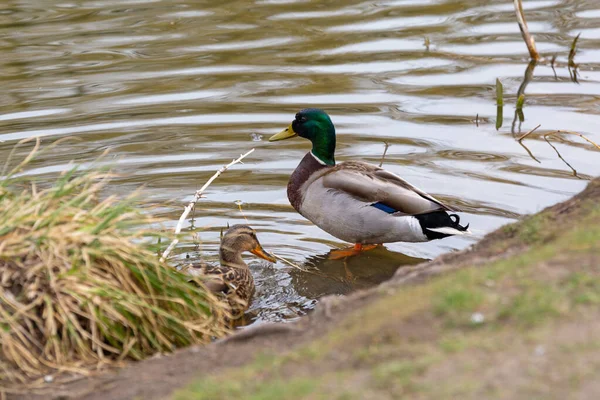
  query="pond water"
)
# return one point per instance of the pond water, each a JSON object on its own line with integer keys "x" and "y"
{"x": 176, "y": 89}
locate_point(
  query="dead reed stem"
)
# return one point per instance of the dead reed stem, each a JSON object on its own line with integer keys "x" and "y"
{"x": 198, "y": 196}
{"x": 561, "y": 132}
{"x": 528, "y": 133}
{"x": 529, "y": 41}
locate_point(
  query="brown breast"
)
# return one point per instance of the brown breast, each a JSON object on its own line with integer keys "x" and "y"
{"x": 308, "y": 166}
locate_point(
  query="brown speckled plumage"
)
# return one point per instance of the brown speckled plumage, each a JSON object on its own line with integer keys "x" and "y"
{"x": 232, "y": 277}
{"x": 236, "y": 283}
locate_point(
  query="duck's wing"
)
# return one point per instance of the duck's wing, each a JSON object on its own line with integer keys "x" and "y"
{"x": 212, "y": 276}
{"x": 383, "y": 189}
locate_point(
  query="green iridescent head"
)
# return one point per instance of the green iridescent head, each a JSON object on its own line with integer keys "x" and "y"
{"x": 315, "y": 125}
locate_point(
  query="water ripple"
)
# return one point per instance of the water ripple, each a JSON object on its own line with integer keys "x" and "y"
{"x": 175, "y": 90}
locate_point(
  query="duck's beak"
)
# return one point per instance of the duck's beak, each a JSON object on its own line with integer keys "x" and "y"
{"x": 284, "y": 134}
{"x": 258, "y": 251}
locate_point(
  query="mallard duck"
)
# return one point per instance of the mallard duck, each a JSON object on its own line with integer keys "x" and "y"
{"x": 359, "y": 202}
{"x": 232, "y": 277}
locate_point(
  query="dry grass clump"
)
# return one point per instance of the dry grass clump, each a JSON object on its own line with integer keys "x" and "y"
{"x": 81, "y": 283}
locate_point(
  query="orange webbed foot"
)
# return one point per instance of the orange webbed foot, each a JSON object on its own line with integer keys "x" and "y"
{"x": 351, "y": 251}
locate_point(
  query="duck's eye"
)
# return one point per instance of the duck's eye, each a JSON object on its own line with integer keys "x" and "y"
{"x": 300, "y": 118}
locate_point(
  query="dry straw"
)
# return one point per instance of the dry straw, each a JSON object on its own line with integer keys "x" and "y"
{"x": 81, "y": 284}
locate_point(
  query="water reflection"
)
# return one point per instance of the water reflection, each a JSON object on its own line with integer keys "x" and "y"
{"x": 328, "y": 276}
{"x": 299, "y": 289}
{"x": 177, "y": 89}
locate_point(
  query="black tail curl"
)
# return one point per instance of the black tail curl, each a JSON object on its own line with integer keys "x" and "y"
{"x": 439, "y": 219}
{"x": 456, "y": 223}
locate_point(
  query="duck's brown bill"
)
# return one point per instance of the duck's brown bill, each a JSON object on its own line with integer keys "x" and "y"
{"x": 284, "y": 134}
{"x": 258, "y": 251}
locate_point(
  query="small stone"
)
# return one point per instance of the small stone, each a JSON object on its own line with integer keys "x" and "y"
{"x": 477, "y": 318}
{"x": 539, "y": 350}
{"x": 48, "y": 379}
{"x": 256, "y": 137}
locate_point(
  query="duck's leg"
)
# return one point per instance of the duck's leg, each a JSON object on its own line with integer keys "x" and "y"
{"x": 351, "y": 251}
{"x": 349, "y": 274}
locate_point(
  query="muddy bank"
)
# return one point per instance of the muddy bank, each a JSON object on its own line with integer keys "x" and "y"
{"x": 515, "y": 316}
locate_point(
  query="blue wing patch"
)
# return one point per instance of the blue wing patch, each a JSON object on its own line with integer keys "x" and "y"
{"x": 383, "y": 207}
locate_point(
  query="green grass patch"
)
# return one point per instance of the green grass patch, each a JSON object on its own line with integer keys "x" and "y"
{"x": 584, "y": 288}
{"x": 456, "y": 302}
{"x": 535, "y": 229}
{"x": 534, "y": 304}
{"x": 453, "y": 343}
{"x": 400, "y": 372}
{"x": 230, "y": 389}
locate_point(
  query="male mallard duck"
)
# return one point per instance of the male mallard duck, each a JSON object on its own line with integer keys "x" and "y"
{"x": 359, "y": 202}
{"x": 233, "y": 277}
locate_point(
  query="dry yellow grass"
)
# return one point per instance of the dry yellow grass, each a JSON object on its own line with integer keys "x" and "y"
{"x": 81, "y": 283}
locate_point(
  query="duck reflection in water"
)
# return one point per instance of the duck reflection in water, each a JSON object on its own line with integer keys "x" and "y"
{"x": 325, "y": 276}
{"x": 285, "y": 293}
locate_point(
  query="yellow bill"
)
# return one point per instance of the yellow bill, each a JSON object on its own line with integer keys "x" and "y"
{"x": 284, "y": 134}
{"x": 258, "y": 251}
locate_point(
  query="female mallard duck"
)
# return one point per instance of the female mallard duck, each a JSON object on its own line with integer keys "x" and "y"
{"x": 359, "y": 202}
{"x": 232, "y": 277}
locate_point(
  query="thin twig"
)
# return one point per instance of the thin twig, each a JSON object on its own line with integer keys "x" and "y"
{"x": 529, "y": 41}
{"x": 561, "y": 157}
{"x": 529, "y": 152}
{"x": 197, "y": 197}
{"x": 387, "y": 145}
{"x": 288, "y": 262}
{"x": 572, "y": 133}
{"x": 528, "y": 133}
{"x": 547, "y": 135}
{"x": 239, "y": 204}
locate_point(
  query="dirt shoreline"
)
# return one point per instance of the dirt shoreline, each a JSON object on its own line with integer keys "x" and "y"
{"x": 418, "y": 324}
